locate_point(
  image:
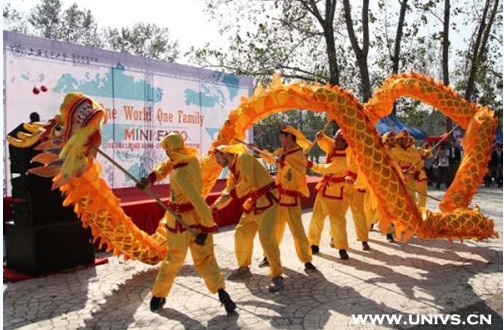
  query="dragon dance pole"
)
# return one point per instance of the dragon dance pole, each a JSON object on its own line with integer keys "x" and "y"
{"x": 435, "y": 146}
{"x": 259, "y": 151}
{"x": 265, "y": 153}
{"x": 307, "y": 151}
{"x": 423, "y": 194}
{"x": 178, "y": 218}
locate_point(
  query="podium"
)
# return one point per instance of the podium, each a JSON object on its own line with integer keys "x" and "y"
{"x": 44, "y": 236}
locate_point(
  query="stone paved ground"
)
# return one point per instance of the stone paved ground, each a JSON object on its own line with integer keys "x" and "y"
{"x": 420, "y": 277}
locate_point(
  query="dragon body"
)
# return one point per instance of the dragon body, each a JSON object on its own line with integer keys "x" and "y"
{"x": 80, "y": 181}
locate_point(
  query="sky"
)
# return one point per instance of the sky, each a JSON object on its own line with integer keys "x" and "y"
{"x": 186, "y": 20}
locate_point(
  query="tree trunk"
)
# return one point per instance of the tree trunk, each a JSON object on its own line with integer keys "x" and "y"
{"x": 446, "y": 45}
{"x": 480, "y": 46}
{"x": 399, "y": 32}
{"x": 360, "y": 53}
{"x": 331, "y": 56}
{"x": 366, "y": 82}
{"x": 327, "y": 24}
{"x": 397, "y": 44}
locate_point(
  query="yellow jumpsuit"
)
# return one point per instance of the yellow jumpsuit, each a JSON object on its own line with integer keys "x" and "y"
{"x": 357, "y": 194}
{"x": 332, "y": 199}
{"x": 291, "y": 182}
{"x": 249, "y": 179}
{"x": 333, "y": 196}
{"x": 420, "y": 177}
{"x": 415, "y": 177}
{"x": 404, "y": 161}
{"x": 186, "y": 185}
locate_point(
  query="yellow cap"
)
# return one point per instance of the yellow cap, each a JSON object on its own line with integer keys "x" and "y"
{"x": 174, "y": 144}
{"x": 301, "y": 140}
{"x": 232, "y": 148}
{"x": 172, "y": 141}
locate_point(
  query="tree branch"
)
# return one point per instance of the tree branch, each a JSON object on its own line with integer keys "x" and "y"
{"x": 349, "y": 24}
{"x": 365, "y": 27}
{"x": 303, "y": 71}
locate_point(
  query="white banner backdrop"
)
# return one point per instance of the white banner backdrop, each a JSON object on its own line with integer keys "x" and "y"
{"x": 144, "y": 99}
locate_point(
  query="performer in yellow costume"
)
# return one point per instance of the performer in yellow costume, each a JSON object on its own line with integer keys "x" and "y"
{"x": 249, "y": 180}
{"x": 332, "y": 197}
{"x": 421, "y": 182}
{"x": 187, "y": 201}
{"x": 291, "y": 183}
{"x": 412, "y": 163}
{"x": 403, "y": 154}
{"x": 357, "y": 195}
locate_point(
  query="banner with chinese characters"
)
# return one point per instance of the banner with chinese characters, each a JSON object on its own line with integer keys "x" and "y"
{"x": 144, "y": 99}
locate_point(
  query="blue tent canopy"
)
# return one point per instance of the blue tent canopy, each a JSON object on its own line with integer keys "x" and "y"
{"x": 498, "y": 136}
{"x": 392, "y": 124}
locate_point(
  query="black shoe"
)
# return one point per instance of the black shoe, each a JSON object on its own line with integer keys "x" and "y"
{"x": 343, "y": 254}
{"x": 390, "y": 238}
{"x": 276, "y": 284}
{"x": 264, "y": 263}
{"x": 365, "y": 246}
{"x": 309, "y": 266}
{"x": 156, "y": 303}
{"x": 314, "y": 249}
{"x": 225, "y": 299}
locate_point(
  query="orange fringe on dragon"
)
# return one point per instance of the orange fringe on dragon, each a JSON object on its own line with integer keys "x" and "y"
{"x": 69, "y": 156}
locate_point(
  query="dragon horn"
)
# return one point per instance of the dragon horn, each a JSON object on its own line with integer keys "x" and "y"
{"x": 45, "y": 171}
{"x": 45, "y": 158}
{"x": 49, "y": 144}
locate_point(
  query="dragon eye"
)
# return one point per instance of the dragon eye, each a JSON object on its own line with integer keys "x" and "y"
{"x": 58, "y": 130}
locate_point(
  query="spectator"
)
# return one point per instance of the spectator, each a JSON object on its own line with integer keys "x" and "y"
{"x": 496, "y": 164}
{"x": 454, "y": 160}
{"x": 429, "y": 162}
{"x": 443, "y": 162}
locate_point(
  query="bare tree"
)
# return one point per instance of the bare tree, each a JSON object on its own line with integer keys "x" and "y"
{"x": 361, "y": 53}
{"x": 445, "y": 57}
{"x": 480, "y": 44}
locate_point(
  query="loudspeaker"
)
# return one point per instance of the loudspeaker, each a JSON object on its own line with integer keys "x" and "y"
{"x": 42, "y": 249}
{"x": 33, "y": 186}
{"x": 20, "y": 159}
{"x": 41, "y": 211}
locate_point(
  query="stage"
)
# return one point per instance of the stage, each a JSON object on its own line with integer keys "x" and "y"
{"x": 146, "y": 213}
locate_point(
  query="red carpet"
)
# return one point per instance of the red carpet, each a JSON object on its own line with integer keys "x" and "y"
{"x": 10, "y": 275}
{"x": 146, "y": 213}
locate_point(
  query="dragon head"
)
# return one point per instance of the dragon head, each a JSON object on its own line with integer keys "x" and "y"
{"x": 68, "y": 142}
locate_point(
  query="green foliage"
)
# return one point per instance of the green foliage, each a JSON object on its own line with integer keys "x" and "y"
{"x": 73, "y": 24}
{"x": 13, "y": 20}
{"x": 48, "y": 19}
{"x": 143, "y": 39}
